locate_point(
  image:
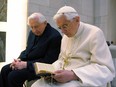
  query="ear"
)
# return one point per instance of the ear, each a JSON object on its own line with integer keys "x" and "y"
{"x": 45, "y": 22}
{"x": 77, "y": 19}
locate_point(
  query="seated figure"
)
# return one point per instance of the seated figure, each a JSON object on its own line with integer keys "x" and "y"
{"x": 43, "y": 45}
{"x": 85, "y": 59}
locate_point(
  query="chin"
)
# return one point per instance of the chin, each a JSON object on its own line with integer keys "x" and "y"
{"x": 39, "y": 34}
{"x": 68, "y": 35}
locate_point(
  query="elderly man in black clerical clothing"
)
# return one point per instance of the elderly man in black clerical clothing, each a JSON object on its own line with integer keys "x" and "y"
{"x": 43, "y": 45}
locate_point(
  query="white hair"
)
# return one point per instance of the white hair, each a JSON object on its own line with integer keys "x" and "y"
{"x": 67, "y": 11}
{"x": 37, "y": 16}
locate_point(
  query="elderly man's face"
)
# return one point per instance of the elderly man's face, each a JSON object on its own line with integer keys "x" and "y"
{"x": 68, "y": 27}
{"x": 37, "y": 28}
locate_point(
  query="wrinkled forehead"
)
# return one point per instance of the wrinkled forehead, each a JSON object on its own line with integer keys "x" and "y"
{"x": 33, "y": 22}
{"x": 61, "y": 20}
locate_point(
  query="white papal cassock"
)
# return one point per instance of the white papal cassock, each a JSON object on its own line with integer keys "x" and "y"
{"x": 88, "y": 55}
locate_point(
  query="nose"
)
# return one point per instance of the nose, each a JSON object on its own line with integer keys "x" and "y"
{"x": 34, "y": 30}
{"x": 63, "y": 30}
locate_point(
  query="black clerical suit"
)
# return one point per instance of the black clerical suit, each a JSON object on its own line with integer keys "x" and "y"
{"x": 44, "y": 48}
{"x": 1, "y": 83}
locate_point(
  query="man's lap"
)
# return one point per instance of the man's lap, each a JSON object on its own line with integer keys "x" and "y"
{"x": 18, "y": 74}
{"x": 43, "y": 83}
{"x": 74, "y": 83}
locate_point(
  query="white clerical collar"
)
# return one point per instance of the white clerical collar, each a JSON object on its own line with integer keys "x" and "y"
{"x": 79, "y": 30}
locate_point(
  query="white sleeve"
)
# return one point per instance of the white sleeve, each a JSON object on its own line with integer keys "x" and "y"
{"x": 101, "y": 69}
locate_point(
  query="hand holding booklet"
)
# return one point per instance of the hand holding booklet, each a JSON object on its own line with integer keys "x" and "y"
{"x": 43, "y": 69}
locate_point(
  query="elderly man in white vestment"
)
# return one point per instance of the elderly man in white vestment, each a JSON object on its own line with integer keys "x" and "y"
{"x": 85, "y": 59}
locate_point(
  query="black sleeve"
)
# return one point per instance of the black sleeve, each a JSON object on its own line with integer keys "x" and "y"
{"x": 22, "y": 55}
{"x": 53, "y": 51}
{"x": 51, "y": 54}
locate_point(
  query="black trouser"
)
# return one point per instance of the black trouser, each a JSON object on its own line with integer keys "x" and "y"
{"x": 1, "y": 83}
{"x": 16, "y": 78}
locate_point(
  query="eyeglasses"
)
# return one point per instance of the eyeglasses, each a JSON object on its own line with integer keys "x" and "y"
{"x": 65, "y": 26}
{"x": 34, "y": 27}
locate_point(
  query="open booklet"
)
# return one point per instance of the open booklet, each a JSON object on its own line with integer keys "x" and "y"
{"x": 43, "y": 69}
